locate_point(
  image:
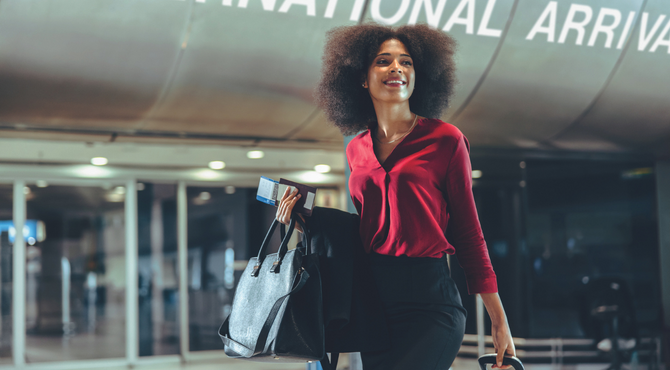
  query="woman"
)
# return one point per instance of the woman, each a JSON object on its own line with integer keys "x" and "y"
{"x": 412, "y": 187}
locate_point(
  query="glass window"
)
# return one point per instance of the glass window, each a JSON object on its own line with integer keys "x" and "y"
{"x": 217, "y": 237}
{"x": 157, "y": 265}
{"x": 6, "y": 194}
{"x": 75, "y": 279}
{"x": 591, "y": 222}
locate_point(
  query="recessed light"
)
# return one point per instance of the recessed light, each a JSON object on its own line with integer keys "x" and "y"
{"x": 312, "y": 177}
{"x": 41, "y": 183}
{"x": 115, "y": 197}
{"x": 92, "y": 172}
{"x": 322, "y": 168}
{"x": 26, "y": 190}
{"x": 230, "y": 189}
{"x": 207, "y": 174}
{"x": 217, "y": 165}
{"x": 99, "y": 161}
{"x": 255, "y": 154}
{"x": 476, "y": 174}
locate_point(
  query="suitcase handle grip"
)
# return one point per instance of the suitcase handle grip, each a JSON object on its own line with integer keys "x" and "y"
{"x": 491, "y": 359}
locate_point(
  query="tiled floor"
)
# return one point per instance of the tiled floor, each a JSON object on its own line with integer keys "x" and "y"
{"x": 459, "y": 364}
{"x": 231, "y": 364}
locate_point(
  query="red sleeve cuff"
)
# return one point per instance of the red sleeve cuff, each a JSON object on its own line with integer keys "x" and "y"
{"x": 488, "y": 285}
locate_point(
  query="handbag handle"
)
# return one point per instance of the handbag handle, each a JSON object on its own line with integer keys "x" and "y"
{"x": 283, "y": 249}
{"x": 305, "y": 234}
{"x": 284, "y": 245}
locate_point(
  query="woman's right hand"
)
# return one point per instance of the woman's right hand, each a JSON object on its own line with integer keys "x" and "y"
{"x": 286, "y": 205}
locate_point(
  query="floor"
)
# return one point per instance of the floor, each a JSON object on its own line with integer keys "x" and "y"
{"x": 230, "y": 364}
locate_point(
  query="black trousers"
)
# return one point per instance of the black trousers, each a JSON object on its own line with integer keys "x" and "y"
{"x": 424, "y": 313}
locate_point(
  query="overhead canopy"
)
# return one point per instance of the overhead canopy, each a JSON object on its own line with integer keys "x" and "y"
{"x": 532, "y": 73}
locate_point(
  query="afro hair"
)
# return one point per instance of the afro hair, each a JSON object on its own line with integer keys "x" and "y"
{"x": 348, "y": 53}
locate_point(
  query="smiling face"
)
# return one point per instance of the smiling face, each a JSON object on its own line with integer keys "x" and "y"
{"x": 390, "y": 76}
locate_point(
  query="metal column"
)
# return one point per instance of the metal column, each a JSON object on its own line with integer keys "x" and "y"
{"x": 182, "y": 261}
{"x": 481, "y": 339}
{"x": 663, "y": 206}
{"x": 19, "y": 277}
{"x": 132, "y": 300}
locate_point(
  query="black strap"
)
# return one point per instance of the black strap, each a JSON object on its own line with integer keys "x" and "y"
{"x": 245, "y": 351}
{"x": 332, "y": 363}
{"x": 305, "y": 233}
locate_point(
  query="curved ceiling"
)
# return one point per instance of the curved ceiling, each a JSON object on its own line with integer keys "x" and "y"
{"x": 533, "y": 74}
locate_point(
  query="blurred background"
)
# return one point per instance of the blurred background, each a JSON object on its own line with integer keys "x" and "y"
{"x": 133, "y": 134}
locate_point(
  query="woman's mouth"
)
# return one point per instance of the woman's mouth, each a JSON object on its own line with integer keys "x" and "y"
{"x": 394, "y": 83}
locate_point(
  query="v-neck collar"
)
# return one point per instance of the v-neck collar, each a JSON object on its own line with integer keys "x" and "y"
{"x": 372, "y": 144}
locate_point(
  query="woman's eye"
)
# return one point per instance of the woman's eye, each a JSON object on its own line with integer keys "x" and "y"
{"x": 407, "y": 62}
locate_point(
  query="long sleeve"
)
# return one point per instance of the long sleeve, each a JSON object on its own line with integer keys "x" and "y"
{"x": 464, "y": 230}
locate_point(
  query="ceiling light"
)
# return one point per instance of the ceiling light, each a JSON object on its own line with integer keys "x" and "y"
{"x": 230, "y": 189}
{"x": 115, "y": 197}
{"x": 205, "y": 195}
{"x": 99, "y": 161}
{"x": 26, "y": 190}
{"x": 476, "y": 174}
{"x": 120, "y": 190}
{"x": 255, "y": 154}
{"x": 322, "y": 168}
{"x": 217, "y": 165}
{"x": 312, "y": 177}
{"x": 41, "y": 183}
{"x": 91, "y": 172}
{"x": 207, "y": 174}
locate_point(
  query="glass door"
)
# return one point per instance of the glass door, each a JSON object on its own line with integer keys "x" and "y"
{"x": 75, "y": 272}
{"x": 158, "y": 269}
{"x": 6, "y": 285}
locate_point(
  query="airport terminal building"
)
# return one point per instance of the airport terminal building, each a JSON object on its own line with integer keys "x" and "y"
{"x": 133, "y": 134}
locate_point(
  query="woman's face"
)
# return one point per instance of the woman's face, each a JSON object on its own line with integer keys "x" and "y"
{"x": 390, "y": 76}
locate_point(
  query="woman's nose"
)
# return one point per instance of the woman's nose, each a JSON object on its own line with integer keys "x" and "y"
{"x": 396, "y": 67}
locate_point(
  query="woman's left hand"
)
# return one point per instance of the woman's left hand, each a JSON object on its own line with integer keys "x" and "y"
{"x": 502, "y": 343}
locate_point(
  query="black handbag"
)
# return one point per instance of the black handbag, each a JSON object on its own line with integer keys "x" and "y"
{"x": 277, "y": 312}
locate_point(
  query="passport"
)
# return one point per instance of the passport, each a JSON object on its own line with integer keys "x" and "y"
{"x": 270, "y": 192}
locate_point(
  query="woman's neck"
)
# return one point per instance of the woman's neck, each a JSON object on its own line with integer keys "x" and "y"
{"x": 392, "y": 118}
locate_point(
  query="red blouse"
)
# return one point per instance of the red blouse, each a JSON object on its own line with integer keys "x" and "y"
{"x": 420, "y": 198}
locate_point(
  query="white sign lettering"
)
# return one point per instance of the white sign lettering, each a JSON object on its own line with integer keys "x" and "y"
{"x": 550, "y": 30}
{"x": 608, "y": 30}
{"x": 432, "y": 16}
{"x": 571, "y": 24}
{"x": 376, "y": 14}
{"x": 483, "y": 27}
{"x": 644, "y": 37}
{"x": 579, "y": 18}
{"x": 311, "y": 6}
{"x": 468, "y": 21}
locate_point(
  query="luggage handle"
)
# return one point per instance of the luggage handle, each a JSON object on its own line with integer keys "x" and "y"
{"x": 284, "y": 245}
{"x": 507, "y": 360}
